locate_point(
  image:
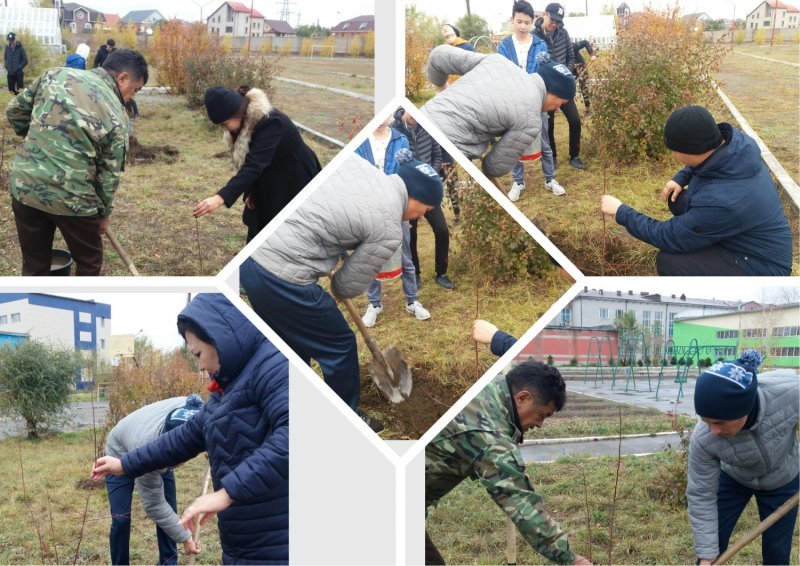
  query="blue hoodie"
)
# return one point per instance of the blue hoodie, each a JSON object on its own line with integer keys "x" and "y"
{"x": 731, "y": 201}
{"x": 76, "y": 62}
{"x": 507, "y": 50}
{"x": 397, "y": 142}
{"x": 245, "y": 430}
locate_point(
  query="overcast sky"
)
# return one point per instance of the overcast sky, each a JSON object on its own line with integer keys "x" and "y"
{"x": 329, "y": 13}
{"x": 495, "y": 12}
{"x": 155, "y": 314}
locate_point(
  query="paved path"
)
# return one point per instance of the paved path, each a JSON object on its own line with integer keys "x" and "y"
{"x": 639, "y": 393}
{"x": 79, "y": 417}
{"x": 767, "y": 59}
{"x": 357, "y": 95}
{"x": 542, "y": 451}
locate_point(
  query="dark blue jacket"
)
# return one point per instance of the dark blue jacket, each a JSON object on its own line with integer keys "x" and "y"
{"x": 245, "y": 430}
{"x": 501, "y": 343}
{"x": 397, "y": 142}
{"x": 732, "y": 202}
{"x": 507, "y": 50}
{"x": 76, "y": 62}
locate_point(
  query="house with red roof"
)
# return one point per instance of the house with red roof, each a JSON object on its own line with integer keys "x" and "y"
{"x": 235, "y": 19}
{"x": 771, "y": 13}
{"x": 278, "y": 28}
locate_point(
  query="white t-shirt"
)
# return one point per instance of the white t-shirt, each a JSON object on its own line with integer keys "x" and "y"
{"x": 378, "y": 147}
{"x": 522, "y": 51}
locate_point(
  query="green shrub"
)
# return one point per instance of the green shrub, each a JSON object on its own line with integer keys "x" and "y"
{"x": 658, "y": 65}
{"x": 573, "y": 362}
{"x": 493, "y": 242}
{"x": 673, "y": 361}
{"x": 611, "y": 360}
{"x": 640, "y": 363}
{"x": 549, "y": 360}
{"x": 738, "y": 36}
{"x": 214, "y": 68}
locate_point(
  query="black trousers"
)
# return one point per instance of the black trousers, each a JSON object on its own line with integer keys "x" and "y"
{"x": 15, "y": 81}
{"x": 713, "y": 260}
{"x": 432, "y": 554}
{"x": 36, "y": 229}
{"x": 441, "y": 235}
{"x": 570, "y": 111}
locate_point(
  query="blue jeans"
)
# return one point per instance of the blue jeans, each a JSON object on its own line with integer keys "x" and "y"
{"x": 548, "y": 166}
{"x": 120, "y": 494}
{"x": 308, "y": 320}
{"x": 732, "y": 497}
{"x": 409, "y": 275}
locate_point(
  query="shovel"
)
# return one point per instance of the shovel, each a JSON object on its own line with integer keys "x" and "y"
{"x": 390, "y": 372}
{"x": 126, "y": 259}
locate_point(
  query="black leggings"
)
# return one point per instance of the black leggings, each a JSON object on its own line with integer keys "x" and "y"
{"x": 570, "y": 111}
{"x": 441, "y": 235}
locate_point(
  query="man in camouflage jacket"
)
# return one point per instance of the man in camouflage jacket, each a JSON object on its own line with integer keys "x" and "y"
{"x": 67, "y": 171}
{"x": 482, "y": 443}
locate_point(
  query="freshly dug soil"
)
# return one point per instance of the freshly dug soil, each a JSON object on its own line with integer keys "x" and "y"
{"x": 138, "y": 153}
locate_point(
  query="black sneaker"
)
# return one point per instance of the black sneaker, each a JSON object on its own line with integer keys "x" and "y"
{"x": 444, "y": 281}
{"x": 577, "y": 163}
{"x": 372, "y": 423}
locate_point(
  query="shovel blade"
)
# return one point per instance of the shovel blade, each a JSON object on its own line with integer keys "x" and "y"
{"x": 393, "y": 380}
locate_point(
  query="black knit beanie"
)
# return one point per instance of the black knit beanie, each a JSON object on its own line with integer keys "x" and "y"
{"x": 727, "y": 390}
{"x": 558, "y": 79}
{"x": 420, "y": 179}
{"x": 222, "y": 103}
{"x": 692, "y": 130}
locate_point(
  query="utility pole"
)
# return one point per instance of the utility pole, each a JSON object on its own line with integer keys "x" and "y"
{"x": 250, "y": 29}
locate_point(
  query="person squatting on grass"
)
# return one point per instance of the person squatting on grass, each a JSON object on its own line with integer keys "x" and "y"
{"x": 493, "y": 98}
{"x": 427, "y": 150}
{"x": 382, "y": 149}
{"x": 524, "y": 49}
{"x": 744, "y": 445}
{"x": 482, "y": 443}
{"x": 550, "y": 28}
{"x": 272, "y": 161}
{"x": 358, "y": 211}
{"x": 67, "y": 171}
{"x": 156, "y": 489}
{"x": 244, "y": 427}
{"x": 729, "y": 220}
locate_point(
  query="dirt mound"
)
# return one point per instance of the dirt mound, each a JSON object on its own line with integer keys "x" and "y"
{"x": 429, "y": 400}
{"x": 138, "y": 153}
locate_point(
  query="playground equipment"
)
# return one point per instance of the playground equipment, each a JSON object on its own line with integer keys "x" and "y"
{"x": 630, "y": 350}
{"x": 483, "y": 39}
{"x": 686, "y": 357}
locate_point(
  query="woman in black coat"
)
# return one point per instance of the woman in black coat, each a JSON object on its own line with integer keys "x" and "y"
{"x": 273, "y": 163}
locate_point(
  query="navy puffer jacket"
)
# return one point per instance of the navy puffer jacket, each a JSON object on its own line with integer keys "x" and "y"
{"x": 245, "y": 430}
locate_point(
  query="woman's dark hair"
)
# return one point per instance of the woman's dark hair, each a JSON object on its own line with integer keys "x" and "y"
{"x": 128, "y": 60}
{"x": 523, "y": 7}
{"x": 185, "y": 324}
{"x": 542, "y": 381}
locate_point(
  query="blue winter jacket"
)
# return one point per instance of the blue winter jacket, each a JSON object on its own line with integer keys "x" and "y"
{"x": 245, "y": 430}
{"x": 507, "y": 50}
{"x": 397, "y": 142}
{"x": 76, "y": 62}
{"x": 731, "y": 201}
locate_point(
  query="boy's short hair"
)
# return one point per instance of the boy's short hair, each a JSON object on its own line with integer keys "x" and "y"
{"x": 523, "y": 7}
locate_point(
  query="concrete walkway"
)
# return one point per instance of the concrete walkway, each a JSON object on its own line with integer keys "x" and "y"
{"x": 79, "y": 417}
{"x": 639, "y": 394}
{"x": 767, "y": 59}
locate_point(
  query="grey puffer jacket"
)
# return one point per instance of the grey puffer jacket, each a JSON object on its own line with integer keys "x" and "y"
{"x": 764, "y": 457}
{"x": 493, "y": 99}
{"x": 137, "y": 429}
{"x": 357, "y": 209}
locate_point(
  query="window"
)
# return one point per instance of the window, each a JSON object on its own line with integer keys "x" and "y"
{"x": 566, "y": 316}
{"x": 727, "y": 334}
{"x": 228, "y": 29}
{"x": 363, "y": 25}
{"x": 345, "y": 26}
{"x": 102, "y": 322}
{"x": 87, "y": 27}
{"x": 646, "y": 319}
{"x": 86, "y": 336}
{"x": 16, "y": 317}
{"x": 3, "y": 320}
{"x": 102, "y": 344}
{"x": 785, "y": 352}
{"x": 754, "y": 333}
{"x": 786, "y": 331}
{"x": 766, "y": 23}
{"x": 604, "y": 314}
{"x": 620, "y": 313}
{"x": 84, "y": 317}
{"x": 726, "y": 352}
{"x": 671, "y": 323}
{"x": 658, "y": 316}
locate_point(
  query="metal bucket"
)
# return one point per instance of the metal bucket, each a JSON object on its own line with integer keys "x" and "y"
{"x": 534, "y": 150}
{"x": 61, "y": 263}
{"x": 393, "y": 268}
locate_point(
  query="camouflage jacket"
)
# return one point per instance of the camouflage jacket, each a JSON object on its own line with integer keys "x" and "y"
{"x": 76, "y": 132}
{"x": 482, "y": 443}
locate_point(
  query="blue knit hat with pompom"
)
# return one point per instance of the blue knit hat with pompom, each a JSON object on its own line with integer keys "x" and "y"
{"x": 421, "y": 180}
{"x": 727, "y": 390}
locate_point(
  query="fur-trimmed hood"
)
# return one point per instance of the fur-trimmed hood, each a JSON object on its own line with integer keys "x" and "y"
{"x": 258, "y": 108}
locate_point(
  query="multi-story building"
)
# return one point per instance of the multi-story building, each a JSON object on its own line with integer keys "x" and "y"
{"x": 773, "y": 330}
{"x": 236, "y": 20}
{"x": 773, "y": 13}
{"x": 84, "y": 326}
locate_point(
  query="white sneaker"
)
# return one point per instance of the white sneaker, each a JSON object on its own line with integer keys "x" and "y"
{"x": 555, "y": 187}
{"x": 371, "y": 315}
{"x": 513, "y": 193}
{"x": 418, "y": 310}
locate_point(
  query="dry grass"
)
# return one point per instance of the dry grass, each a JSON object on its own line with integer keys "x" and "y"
{"x": 53, "y": 467}
{"x": 789, "y": 52}
{"x": 344, "y": 73}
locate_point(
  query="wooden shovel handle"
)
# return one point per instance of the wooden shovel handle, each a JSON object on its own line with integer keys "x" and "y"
{"x": 112, "y": 237}
{"x": 198, "y": 518}
{"x": 371, "y": 344}
{"x": 511, "y": 541}
{"x": 750, "y": 536}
